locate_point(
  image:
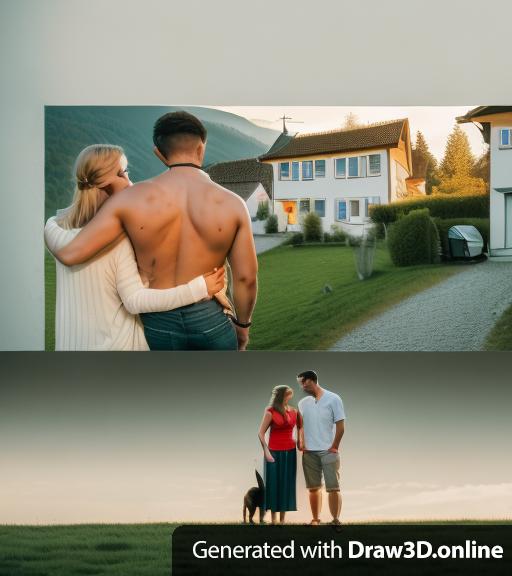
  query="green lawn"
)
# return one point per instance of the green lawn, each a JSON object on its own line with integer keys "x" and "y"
{"x": 500, "y": 337}
{"x": 107, "y": 550}
{"x": 120, "y": 550}
{"x": 293, "y": 313}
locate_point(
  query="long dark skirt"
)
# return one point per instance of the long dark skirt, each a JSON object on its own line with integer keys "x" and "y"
{"x": 280, "y": 481}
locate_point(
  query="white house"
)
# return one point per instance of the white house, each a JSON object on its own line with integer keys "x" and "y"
{"x": 495, "y": 124}
{"x": 339, "y": 173}
{"x": 248, "y": 178}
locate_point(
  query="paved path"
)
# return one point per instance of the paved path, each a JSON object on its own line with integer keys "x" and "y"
{"x": 454, "y": 315}
{"x": 267, "y": 242}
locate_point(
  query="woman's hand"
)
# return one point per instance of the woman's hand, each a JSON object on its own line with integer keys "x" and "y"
{"x": 214, "y": 280}
{"x": 269, "y": 457}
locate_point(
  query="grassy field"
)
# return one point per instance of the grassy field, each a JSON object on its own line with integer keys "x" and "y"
{"x": 500, "y": 337}
{"x": 107, "y": 550}
{"x": 293, "y": 312}
{"x": 120, "y": 550}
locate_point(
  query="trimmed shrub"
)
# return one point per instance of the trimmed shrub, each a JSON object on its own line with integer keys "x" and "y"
{"x": 263, "y": 211}
{"x": 414, "y": 239}
{"x": 312, "y": 228}
{"x": 481, "y": 224}
{"x": 271, "y": 225}
{"x": 297, "y": 238}
{"x": 456, "y": 206}
{"x": 337, "y": 234}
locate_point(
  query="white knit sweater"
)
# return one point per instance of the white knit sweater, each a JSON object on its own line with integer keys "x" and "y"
{"x": 97, "y": 302}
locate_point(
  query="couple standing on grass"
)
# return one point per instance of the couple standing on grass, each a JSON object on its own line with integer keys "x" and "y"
{"x": 160, "y": 248}
{"x": 320, "y": 425}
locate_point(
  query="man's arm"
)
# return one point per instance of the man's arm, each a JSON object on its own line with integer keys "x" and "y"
{"x": 340, "y": 430}
{"x": 101, "y": 231}
{"x": 244, "y": 267}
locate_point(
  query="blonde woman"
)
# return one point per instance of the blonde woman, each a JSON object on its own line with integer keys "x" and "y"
{"x": 280, "y": 453}
{"x": 98, "y": 302}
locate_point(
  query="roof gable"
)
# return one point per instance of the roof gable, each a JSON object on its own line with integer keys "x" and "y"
{"x": 240, "y": 175}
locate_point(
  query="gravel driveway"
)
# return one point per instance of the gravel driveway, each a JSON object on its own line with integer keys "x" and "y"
{"x": 454, "y": 315}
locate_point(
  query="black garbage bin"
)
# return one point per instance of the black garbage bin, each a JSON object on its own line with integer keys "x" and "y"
{"x": 465, "y": 242}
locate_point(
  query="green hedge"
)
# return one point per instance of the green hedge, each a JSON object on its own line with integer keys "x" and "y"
{"x": 443, "y": 225}
{"x": 414, "y": 239}
{"x": 463, "y": 206}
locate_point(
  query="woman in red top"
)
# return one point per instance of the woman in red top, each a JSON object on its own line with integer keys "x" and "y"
{"x": 280, "y": 453}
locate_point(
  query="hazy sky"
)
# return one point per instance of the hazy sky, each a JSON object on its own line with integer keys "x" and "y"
{"x": 436, "y": 122}
{"x": 173, "y": 436}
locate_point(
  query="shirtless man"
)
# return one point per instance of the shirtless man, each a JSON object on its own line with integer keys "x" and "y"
{"x": 181, "y": 224}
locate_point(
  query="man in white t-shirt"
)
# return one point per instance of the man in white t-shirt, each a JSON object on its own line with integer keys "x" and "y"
{"x": 323, "y": 419}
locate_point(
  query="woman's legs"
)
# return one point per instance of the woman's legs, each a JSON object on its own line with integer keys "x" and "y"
{"x": 281, "y": 517}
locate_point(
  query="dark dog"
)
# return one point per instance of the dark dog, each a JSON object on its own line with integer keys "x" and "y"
{"x": 255, "y": 498}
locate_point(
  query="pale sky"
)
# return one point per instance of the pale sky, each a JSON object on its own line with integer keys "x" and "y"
{"x": 436, "y": 122}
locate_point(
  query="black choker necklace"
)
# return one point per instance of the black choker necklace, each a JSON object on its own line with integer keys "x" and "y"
{"x": 191, "y": 164}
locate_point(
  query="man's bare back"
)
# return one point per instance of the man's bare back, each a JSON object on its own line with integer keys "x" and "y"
{"x": 180, "y": 224}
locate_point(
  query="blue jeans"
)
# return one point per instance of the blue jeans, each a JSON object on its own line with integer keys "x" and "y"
{"x": 200, "y": 326}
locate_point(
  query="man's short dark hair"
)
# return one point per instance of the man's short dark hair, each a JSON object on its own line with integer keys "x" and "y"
{"x": 173, "y": 131}
{"x": 308, "y": 375}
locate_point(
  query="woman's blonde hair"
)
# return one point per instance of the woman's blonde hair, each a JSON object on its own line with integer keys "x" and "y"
{"x": 92, "y": 165}
{"x": 277, "y": 400}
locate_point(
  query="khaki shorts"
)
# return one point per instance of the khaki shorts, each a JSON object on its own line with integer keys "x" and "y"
{"x": 317, "y": 462}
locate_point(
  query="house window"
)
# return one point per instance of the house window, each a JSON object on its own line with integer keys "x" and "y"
{"x": 284, "y": 171}
{"x": 369, "y": 202}
{"x": 353, "y": 167}
{"x": 340, "y": 167}
{"x": 354, "y": 208}
{"x": 320, "y": 208}
{"x": 307, "y": 170}
{"x": 374, "y": 165}
{"x": 363, "y": 163}
{"x": 506, "y": 138}
{"x": 319, "y": 168}
{"x": 295, "y": 170}
{"x": 341, "y": 210}
{"x": 304, "y": 206}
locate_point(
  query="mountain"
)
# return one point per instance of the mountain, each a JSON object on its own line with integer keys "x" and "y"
{"x": 69, "y": 129}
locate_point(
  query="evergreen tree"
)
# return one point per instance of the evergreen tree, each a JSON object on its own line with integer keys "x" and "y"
{"x": 458, "y": 159}
{"x": 482, "y": 168}
{"x": 424, "y": 163}
{"x": 458, "y": 167}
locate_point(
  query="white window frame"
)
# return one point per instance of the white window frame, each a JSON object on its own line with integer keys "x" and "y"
{"x": 367, "y": 203}
{"x": 313, "y": 200}
{"x": 299, "y": 211}
{"x": 312, "y": 169}
{"x": 360, "y": 160}
{"x": 336, "y": 209}
{"x": 368, "y": 173}
{"x": 346, "y": 168}
{"x": 509, "y": 145}
{"x": 289, "y": 171}
{"x": 358, "y": 200}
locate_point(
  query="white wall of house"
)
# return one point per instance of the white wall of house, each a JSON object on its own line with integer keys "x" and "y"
{"x": 259, "y": 195}
{"x": 352, "y": 190}
{"x": 501, "y": 177}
